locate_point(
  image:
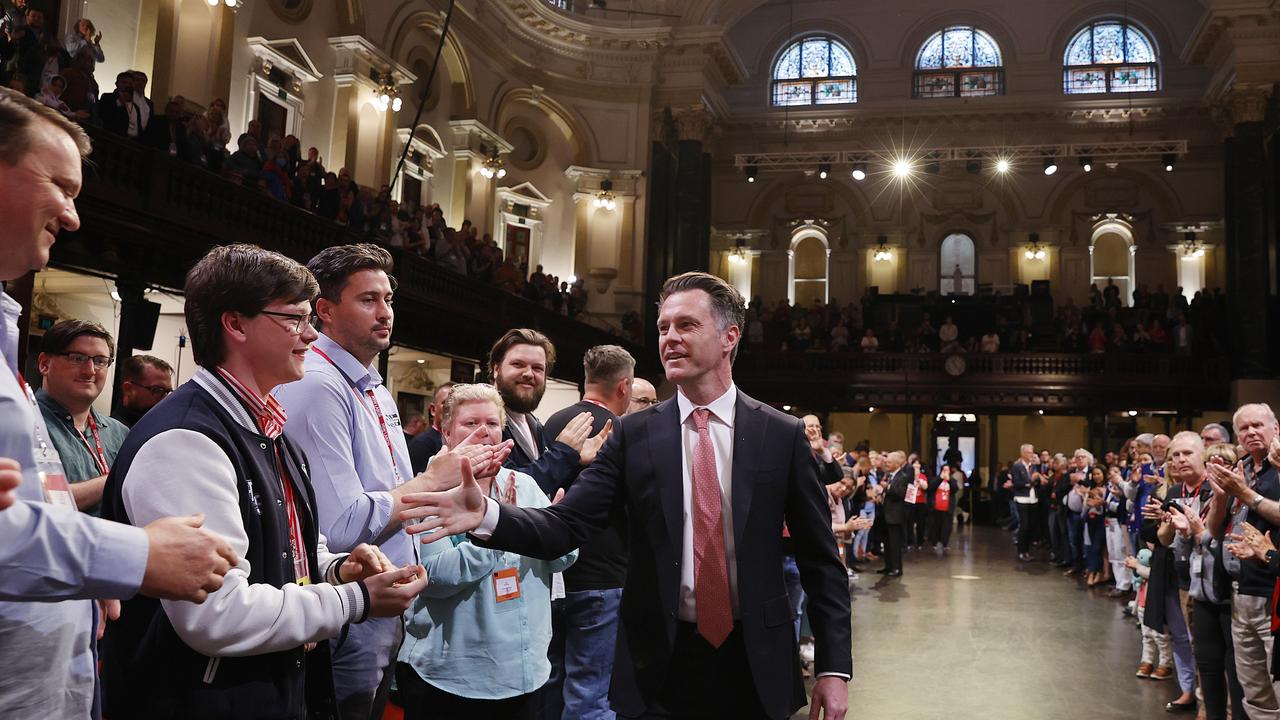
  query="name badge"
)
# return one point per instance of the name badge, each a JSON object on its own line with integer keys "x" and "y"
{"x": 1197, "y": 562}
{"x": 56, "y": 490}
{"x": 506, "y": 584}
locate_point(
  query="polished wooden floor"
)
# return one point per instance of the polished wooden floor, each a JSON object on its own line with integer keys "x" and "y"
{"x": 975, "y": 634}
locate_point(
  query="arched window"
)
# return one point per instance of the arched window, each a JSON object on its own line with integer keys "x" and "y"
{"x": 956, "y": 265}
{"x": 1110, "y": 57}
{"x": 809, "y": 256}
{"x": 959, "y": 61}
{"x": 817, "y": 70}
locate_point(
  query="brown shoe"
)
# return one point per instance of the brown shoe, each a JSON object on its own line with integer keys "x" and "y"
{"x": 1164, "y": 672}
{"x": 1144, "y": 670}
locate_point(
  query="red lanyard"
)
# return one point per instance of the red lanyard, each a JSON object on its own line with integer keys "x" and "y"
{"x": 99, "y": 455}
{"x": 297, "y": 544}
{"x": 375, "y": 413}
{"x": 597, "y": 404}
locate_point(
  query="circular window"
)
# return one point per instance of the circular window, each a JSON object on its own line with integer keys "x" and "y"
{"x": 528, "y": 149}
{"x": 291, "y": 10}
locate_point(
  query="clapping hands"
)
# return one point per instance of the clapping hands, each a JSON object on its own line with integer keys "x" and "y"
{"x": 1250, "y": 543}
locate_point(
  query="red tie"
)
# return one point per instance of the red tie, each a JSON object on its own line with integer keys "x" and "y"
{"x": 710, "y": 569}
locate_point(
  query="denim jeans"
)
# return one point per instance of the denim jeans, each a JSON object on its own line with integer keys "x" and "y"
{"x": 591, "y": 633}
{"x": 795, "y": 593}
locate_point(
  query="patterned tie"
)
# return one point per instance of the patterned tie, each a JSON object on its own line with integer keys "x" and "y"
{"x": 710, "y": 569}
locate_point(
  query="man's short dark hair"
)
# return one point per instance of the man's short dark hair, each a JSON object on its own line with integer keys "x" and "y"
{"x": 727, "y": 304}
{"x": 242, "y": 279}
{"x": 19, "y": 116}
{"x": 607, "y": 364}
{"x": 333, "y": 266}
{"x": 131, "y": 368}
{"x": 521, "y": 336}
{"x": 59, "y": 337}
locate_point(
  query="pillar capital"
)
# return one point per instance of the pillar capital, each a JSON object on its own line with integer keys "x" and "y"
{"x": 1244, "y": 104}
{"x": 693, "y": 122}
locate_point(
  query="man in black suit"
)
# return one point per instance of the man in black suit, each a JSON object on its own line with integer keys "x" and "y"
{"x": 428, "y": 442}
{"x": 895, "y": 511}
{"x": 705, "y": 633}
{"x": 519, "y": 363}
{"x": 116, "y": 110}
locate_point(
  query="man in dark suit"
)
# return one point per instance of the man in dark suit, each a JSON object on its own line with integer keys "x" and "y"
{"x": 116, "y": 110}
{"x": 519, "y": 363}
{"x": 428, "y": 442}
{"x": 895, "y": 511}
{"x": 705, "y": 633}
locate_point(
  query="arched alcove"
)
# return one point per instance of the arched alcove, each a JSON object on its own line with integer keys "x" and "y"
{"x": 1111, "y": 257}
{"x": 809, "y": 264}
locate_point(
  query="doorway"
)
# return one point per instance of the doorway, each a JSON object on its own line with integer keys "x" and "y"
{"x": 955, "y": 440}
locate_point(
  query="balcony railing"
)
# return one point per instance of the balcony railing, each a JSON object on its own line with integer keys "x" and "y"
{"x": 148, "y": 217}
{"x": 981, "y": 381}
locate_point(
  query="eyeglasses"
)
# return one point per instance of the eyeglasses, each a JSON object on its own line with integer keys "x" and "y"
{"x": 645, "y": 401}
{"x": 100, "y": 362}
{"x": 161, "y": 390}
{"x": 298, "y": 320}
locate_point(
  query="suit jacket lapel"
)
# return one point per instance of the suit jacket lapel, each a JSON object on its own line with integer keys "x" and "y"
{"x": 667, "y": 456}
{"x": 748, "y": 439}
{"x": 520, "y": 440}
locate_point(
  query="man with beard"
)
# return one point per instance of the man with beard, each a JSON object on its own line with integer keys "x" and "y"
{"x": 519, "y": 363}
{"x": 586, "y": 624}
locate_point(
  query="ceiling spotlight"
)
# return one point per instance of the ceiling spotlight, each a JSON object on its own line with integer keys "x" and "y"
{"x": 1050, "y": 166}
{"x": 1168, "y": 160}
{"x": 421, "y": 361}
{"x": 1039, "y": 412}
{"x": 902, "y": 168}
{"x": 860, "y": 172}
{"x": 786, "y": 408}
{"x": 871, "y": 409}
{"x": 972, "y": 166}
{"x": 1133, "y": 413}
{"x": 824, "y": 169}
{"x": 1086, "y": 163}
{"x": 1002, "y": 166}
{"x": 752, "y": 171}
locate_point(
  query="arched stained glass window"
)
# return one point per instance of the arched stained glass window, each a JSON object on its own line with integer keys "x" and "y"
{"x": 959, "y": 61}
{"x": 1110, "y": 56}
{"x": 817, "y": 70}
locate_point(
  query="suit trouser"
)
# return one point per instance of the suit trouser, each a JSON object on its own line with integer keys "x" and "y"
{"x": 917, "y": 524}
{"x": 1215, "y": 660}
{"x": 705, "y": 682}
{"x": 1026, "y": 524}
{"x": 1251, "y": 635}
{"x": 895, "y": 538}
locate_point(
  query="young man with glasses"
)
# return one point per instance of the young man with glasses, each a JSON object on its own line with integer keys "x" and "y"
{"x": 75, "y": 356}
{"x": 146, "y": 380}
{"x": 217, "y": 445}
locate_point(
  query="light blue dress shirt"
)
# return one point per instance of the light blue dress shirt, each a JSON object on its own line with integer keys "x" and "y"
{"x": 50, "y": 554}
{"x": 333, "y": 421}
{"x": 459, "y": 638}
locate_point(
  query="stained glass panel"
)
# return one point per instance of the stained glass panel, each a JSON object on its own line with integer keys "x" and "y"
{"x": 813, "y": 59}
{"x": 1080, "y": 51}
{"x": 1107, "y": 44}
{"x": 842, "y": 64}
{"x": 957, "y": 48}
{"x": 789, "y": 66}
{"x": 930, "y": 57}
{"x": 985, "y": 51}
{"x": 978, "y": 84}
{"x": 836, "y": 91}
{"x": 1138, "y": 78}
{"x": 793, "y": 92}
{"x": 1085, "y": 81}
{"x": 930, "y": 85}
{"x": 1138, "y": 47}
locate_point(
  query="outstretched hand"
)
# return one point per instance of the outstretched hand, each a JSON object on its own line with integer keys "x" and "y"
{"x": 447, "y": 513}
{"x": 591, "y": 446}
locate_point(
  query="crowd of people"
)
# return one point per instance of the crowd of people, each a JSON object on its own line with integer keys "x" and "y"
{"x": 60, "y": 74}
{"x": 1156, "y": 323}
{"x": 1181, "y": 530}
{"x": 245, "y": 544}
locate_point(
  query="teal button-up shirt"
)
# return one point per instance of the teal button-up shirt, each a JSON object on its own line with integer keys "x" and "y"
{"x": 459, "y": 638}
{"x": 73, "y": 448}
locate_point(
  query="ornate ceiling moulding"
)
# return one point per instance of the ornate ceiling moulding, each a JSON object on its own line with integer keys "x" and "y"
{"x": 540, "y": 21}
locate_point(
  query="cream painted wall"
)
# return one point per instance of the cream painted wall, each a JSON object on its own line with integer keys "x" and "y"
{"x": 117, "y": 20}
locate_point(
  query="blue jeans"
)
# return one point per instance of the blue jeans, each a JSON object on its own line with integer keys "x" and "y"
{"x": 591, "y": 632}
{"x": 795, "y": 593}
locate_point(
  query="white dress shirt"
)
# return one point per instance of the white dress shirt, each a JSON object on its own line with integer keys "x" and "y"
{"x": 521, "y": 424}
{"x": 720, "y": 426}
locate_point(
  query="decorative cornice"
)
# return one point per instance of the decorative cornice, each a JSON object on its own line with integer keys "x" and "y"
{"x": 469, "y": 135}
{"x": 589, "y": 179}
{"x": 355, "y": 59}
